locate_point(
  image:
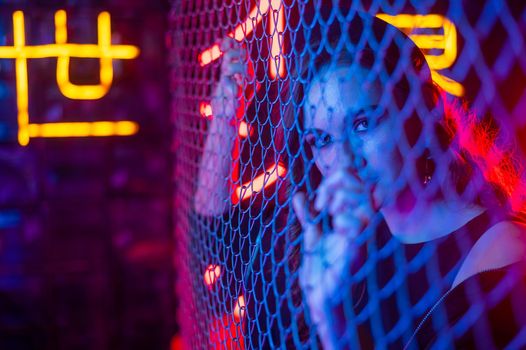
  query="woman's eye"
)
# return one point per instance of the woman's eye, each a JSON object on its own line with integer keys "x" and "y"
{"x": 318, "y": 140}
{"x": 360, "y": 125}
{"x": 323, "y": 140}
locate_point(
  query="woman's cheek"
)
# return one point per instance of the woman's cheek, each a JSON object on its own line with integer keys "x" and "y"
{"x": 377, "y": 171}
{"x": 377, "y": 153}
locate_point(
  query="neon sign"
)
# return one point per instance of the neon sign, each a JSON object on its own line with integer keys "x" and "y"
{"x": 263, "y": 180}
{"x": 63, "y": 51}
{"x": 447, "y": 41}
{"x": 276, "y": 17}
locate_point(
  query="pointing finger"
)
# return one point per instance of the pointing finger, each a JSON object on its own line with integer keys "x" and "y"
{"x": 343, "y": 199}
{"x": 339, "y": 180}
{"x": 311, "y": 233}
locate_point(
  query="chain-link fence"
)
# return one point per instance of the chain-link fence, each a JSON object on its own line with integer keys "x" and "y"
{"x": 348, "y": 174}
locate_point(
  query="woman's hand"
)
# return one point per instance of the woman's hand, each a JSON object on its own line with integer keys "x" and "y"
{"x": 325, "y": 269}
{"x": 227, "y": 92}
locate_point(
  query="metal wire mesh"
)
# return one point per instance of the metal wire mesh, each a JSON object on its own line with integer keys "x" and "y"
{"x": 348, "y": 173}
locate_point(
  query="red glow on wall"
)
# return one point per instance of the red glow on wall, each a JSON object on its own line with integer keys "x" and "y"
{"x": 176, "y": 343}
{"x": 226, "y": 333}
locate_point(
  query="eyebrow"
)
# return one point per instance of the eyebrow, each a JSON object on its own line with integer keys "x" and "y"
{"x": 352, "y": 115}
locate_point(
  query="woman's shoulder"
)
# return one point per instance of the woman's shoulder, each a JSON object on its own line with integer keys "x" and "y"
{"x": 512, "y": 230}
{"x": 503, "y": 244}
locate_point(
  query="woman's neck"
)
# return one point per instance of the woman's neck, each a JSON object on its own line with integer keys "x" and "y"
{"x": 429, "y": 220}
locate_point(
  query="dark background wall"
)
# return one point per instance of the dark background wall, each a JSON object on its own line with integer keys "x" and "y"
{"x": 85, "y": 223}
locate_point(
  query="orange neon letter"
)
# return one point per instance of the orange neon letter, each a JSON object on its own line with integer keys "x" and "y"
{"x": 64, "y": 51}
{"x": 446, "y": 42}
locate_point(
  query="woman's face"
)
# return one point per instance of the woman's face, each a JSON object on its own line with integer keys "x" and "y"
{"x": 347, "y": 128}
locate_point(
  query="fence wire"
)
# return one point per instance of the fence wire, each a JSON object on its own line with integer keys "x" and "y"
{"x": 348, "y": 173}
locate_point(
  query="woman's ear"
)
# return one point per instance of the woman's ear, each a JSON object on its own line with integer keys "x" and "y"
{"x": 439, "y": 129}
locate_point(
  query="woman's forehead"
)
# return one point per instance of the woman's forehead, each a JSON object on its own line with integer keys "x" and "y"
{"x": 336, "y": 92}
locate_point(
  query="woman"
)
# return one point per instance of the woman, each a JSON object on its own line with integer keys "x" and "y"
{"x": 387, "y": 141}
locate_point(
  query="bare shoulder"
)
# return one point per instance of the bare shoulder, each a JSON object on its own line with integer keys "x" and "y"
{"x": 503, "y": 244}
{"x": 511, "y": 228}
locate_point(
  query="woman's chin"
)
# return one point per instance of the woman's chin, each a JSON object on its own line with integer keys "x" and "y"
{"x": 378, "y": 196}
{"x": 405, "y": 201}
{"x": 399, "y": 210}
{"x": 401, "y": 226}
{"x": 384, "y": 197}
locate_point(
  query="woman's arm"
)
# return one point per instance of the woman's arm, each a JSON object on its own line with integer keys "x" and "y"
{"x": 213, "y": 185}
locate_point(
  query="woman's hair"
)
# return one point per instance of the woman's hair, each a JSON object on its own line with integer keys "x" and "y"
{"x": 481, "y": 148}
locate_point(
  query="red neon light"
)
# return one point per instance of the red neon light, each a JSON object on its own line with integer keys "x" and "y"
{"x": 270, "y": 176}
{"x": 177, "y": 343}
{"x": 205, "y": 109}
{"x": 239, "y": 309}
{"x": 212, "y": 274}
{"x": 244, "y": 130}
{"x": 209, "y": 55}
{"x": 242, "y": 30}
{"x": 277, "y": 65}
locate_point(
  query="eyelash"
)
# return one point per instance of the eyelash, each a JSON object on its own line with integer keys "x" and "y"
{"x": 358, "y": 122}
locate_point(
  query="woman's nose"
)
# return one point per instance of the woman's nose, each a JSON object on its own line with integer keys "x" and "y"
{"x": 349, "y": 154}
{"x": 355, "y": 159}
{"x": 343, "y": 159}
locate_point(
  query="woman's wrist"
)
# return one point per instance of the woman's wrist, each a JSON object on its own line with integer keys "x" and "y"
{"x": 221, "y": 133}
